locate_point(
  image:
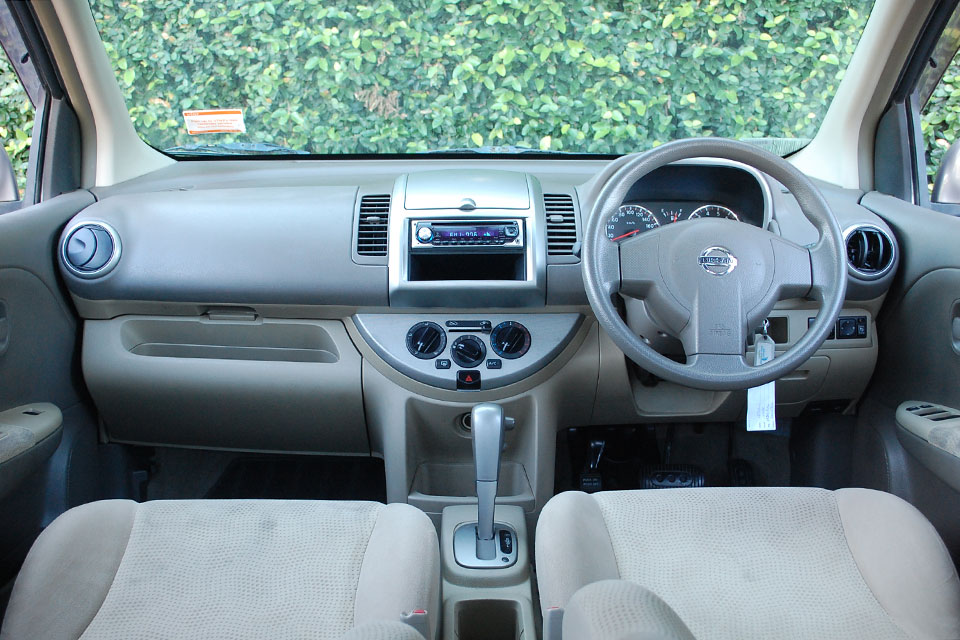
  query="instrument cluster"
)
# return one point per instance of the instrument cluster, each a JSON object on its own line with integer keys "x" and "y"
{"x": 633, "y": 218}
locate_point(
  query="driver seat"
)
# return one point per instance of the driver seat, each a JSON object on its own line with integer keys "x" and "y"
{"x": 743, "y": 563}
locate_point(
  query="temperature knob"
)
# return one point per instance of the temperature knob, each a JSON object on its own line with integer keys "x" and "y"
{"x": 426, "y": 340}
{"x": 510, "y": 339}
{"x": 468, "y": 351}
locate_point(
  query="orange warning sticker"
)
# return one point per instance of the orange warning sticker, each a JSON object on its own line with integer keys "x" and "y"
{"x": 214, "y": 121}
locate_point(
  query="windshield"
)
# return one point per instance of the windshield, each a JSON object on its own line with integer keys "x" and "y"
{"x": 409, "y": 76}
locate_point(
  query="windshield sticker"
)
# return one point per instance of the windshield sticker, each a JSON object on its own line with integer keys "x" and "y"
{"x": 214, "y": 121}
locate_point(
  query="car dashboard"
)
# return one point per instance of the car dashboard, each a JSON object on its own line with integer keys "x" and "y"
{"x": 280, "y": 302}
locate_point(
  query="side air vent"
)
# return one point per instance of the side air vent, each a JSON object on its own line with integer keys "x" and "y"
{"x": 870, "y": 251}
{"x": 372, "y": 225}
{"x": 561, "y": 224}
{"x": 90, "y": 249}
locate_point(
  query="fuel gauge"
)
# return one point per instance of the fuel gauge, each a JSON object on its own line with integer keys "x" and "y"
{"x": 671, "y": 214}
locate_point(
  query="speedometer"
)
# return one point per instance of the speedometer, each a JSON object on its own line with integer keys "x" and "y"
{"x": 629, "y": 220}
{"x": 714, "y": 211}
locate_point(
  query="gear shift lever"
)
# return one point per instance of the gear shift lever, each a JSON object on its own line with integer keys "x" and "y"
{"x": 486, "y": 544}
{"x": 487, "y": 425}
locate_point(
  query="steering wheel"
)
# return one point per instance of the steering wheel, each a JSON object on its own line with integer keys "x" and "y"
{"x": 710, "y": 281}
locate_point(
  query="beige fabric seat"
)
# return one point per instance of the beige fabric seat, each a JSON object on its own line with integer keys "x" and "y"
{"x": 744, "y": 563}
{"x": 230, "y": 569}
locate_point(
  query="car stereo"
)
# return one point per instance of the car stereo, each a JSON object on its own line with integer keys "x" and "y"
{"x": 492, "y": 235}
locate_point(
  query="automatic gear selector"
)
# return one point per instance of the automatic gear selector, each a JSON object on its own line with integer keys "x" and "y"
{"x": 486, "y": 544}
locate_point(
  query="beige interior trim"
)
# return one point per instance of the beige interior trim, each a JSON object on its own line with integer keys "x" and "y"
{"x": 834, "y": 155}
{"x": 112, "y": 150}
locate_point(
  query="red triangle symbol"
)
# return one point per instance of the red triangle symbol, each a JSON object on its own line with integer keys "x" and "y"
{"x": 469, "y": 378}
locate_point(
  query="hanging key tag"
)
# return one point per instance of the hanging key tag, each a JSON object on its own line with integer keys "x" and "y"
{"x": 761, "y": 401}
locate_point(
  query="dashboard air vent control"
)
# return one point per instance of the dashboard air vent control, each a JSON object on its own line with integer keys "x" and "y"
{"x": 468, "y": 351}
{"x": 372, "y": 225}
{"x": 90, "y": 249}
{"x": 870, "y": 251}
{"x": 561, "y": 224}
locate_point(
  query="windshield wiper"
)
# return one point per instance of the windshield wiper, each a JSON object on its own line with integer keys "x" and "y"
{"x": 235, "y": 148}
{"x": 507, "y": 149}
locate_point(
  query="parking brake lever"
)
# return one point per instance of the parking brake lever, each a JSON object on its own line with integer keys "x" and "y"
{"x": 487, "y": 425}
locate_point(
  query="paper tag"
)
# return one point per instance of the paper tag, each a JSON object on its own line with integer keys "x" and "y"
{"x": 761, "y": 401}
{"x": 214, "y": 121}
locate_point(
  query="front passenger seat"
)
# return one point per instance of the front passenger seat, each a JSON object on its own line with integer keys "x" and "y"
{"x": 245, "y": 569}
{"x": 743, "y": 563}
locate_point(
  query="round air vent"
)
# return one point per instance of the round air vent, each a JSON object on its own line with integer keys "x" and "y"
{"x": 870, "y": 251}
{"x": 90, "y": 249}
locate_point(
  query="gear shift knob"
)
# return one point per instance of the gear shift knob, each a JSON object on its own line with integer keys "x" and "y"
{"x": 487, "y": 425}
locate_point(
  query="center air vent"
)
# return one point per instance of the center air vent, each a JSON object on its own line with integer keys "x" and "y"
{"x": 561, "y": 224}
{"x": 372, "y": 225}
{"x": 870, "y": 251}
{"x": 90, "y": 249}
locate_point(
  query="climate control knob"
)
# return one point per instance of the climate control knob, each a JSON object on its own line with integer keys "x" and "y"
{"x": 468, "y": 351}
{"x": 510, "y": 339}
{"x": 426, "y": 340}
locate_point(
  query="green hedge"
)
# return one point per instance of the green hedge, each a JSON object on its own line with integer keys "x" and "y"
{"x": 400, "y": 76}
{"x": 940, "y": 121}
{"x": 16, "y": 120}
{"x": 410, "y": 75}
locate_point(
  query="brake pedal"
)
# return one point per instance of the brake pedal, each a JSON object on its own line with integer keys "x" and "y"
{"x": 671, "y": 476}
{"x": 741, "y": 474}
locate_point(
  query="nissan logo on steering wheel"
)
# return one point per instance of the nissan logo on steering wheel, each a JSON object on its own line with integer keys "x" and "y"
{"x": 717, "y": 261}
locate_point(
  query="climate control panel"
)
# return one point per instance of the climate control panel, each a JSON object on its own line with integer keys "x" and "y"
{"x": 468, "y": 352}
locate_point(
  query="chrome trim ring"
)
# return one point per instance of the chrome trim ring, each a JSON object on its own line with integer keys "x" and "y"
{"x": 95, "y": 273}
{"x": 863, "y": 275}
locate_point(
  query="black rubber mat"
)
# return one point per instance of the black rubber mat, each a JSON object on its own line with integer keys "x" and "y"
{"x": 302, "y": 478}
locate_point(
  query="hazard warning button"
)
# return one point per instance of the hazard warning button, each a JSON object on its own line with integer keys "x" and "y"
{"x": 468, "y": 380}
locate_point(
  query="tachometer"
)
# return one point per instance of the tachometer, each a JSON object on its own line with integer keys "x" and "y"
{"x": 714, "y": 211}
{"x": 629, "y": 220}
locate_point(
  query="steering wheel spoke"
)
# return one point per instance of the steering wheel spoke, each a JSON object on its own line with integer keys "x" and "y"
{"x": 793, "y": 275}
{"x": 823, "y": 260}
{"x": 640, "y": 265}
{"x": 717, "y": 324}
{"x": 729, "y": 364}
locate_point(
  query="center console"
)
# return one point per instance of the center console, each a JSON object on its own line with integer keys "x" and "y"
{"x": 467, "y": 239}
{"x": 470, "y": 240}
{"x": 468, "y": 351}
{"x": 487, "y": 589}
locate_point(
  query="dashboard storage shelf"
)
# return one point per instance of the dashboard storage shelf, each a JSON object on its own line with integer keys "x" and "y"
{"x": 266, "y": 341}
{"x": 251, "y": 384}
{"x": 440, "y": 484}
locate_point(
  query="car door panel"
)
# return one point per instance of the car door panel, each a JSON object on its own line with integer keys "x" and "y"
{"x": 38, "y": 364}
{"x": 919, "y": 362}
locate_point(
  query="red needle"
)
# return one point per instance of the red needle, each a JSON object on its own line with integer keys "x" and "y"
{"x": 628, "y": 233}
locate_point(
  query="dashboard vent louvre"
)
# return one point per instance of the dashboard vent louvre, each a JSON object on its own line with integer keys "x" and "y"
{"x": 869, "y": 250}
{"x": 372, "y": 225}
{"x": 561, "y": 224}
